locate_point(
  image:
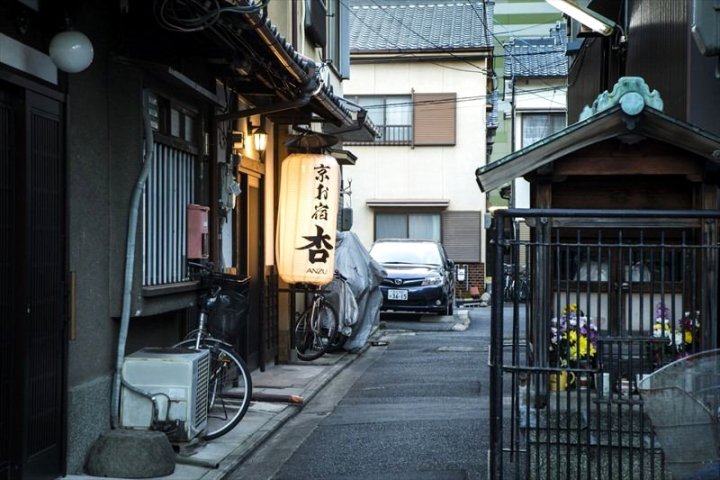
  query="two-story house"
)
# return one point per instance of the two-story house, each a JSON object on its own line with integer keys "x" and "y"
{"x": 421, "y": 69}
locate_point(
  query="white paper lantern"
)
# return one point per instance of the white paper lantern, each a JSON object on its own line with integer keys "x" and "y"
{"x": 71, "y": 51}
{"x": 307, "y": 218}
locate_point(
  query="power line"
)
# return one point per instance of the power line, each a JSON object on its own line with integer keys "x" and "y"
{"x": 419, "y": 35}
{"x": 498, "y": 40}
{"x": 344, "y": 3}
{"x": 456, "y": 100}
{"x": 487, "y": 30}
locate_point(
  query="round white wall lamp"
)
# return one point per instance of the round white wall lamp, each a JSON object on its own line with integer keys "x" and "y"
{"x": 71, "y": 51}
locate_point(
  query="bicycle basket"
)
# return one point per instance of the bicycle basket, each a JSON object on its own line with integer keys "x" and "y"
{"x": 229, "y": 318}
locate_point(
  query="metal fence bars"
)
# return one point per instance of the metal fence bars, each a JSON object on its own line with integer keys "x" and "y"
{"x": 613, "y": 296}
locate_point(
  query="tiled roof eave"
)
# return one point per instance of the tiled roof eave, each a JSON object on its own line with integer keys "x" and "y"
{"x": 448, "y": 51}
{"x": 610, "y": 123}
{"x": 536, "y": 77}
{"x": 303, "y": 72}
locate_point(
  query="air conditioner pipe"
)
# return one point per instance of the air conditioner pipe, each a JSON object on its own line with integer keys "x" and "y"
{"x": 130, "y": 265}
{"x": 153, "y": 399}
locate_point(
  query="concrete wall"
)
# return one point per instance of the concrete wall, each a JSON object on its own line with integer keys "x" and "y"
{"x": 105, "y": 155}
{"x": 403, "y": 172}
{"x": 91, "y": 248}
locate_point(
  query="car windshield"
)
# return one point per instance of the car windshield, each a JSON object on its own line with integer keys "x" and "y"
{"x": 402, "y": 252}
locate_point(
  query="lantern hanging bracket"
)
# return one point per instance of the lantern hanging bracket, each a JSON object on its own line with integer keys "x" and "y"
{"x": 266, "y": 109}
{"x": 310, "y": 142}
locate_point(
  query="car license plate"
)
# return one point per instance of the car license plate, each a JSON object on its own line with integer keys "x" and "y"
{"x": 397, "y": 295}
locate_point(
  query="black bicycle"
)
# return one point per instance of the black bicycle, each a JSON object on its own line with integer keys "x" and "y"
{"x": 319, "y": 328}
{"x": 229, "y": 381}
{"x": 517, "y": 287}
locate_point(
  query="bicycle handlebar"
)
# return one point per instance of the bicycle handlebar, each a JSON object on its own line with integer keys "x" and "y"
{"x": 206, "y": 273}
{"x": 208, "y": 266}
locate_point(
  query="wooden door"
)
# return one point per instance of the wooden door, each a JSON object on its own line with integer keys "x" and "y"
{"x": 32, "y": 285}
{"x": 250, "y": 262}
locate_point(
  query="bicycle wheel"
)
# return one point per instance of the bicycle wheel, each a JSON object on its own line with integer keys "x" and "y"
{"x": 509, "y": 291}
{"x": 316, "y": 331}
{"x": 229, "y": 387}
{"x": 523, "y": 291}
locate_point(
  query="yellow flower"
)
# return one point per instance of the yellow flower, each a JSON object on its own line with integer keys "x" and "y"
{"x": 688, "y": 337}
{"x": 580, "y": 347}
{"x": 572, "y": 308}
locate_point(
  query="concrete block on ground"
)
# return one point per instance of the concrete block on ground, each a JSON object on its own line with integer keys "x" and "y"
{"x": 129, "y": 453}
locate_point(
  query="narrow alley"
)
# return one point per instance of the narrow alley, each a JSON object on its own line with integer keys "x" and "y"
{"x": 414, "y": 409}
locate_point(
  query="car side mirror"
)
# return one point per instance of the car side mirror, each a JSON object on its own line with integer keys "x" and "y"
{"x": 451, "y": 265}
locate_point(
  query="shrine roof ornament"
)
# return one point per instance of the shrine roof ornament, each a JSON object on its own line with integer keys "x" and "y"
{"x": 621, "y": 115}
{"x": 631, "y": 93}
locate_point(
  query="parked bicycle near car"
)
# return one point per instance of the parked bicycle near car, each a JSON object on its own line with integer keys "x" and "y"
{"x": 229, "y": 380}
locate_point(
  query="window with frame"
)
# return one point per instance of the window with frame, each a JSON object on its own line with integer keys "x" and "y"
{"x": 169, "y": 189}
{"x": 338, "y": 38}
{"x": 537, "y": 126}
{"x": 316, "y": 22}
{"x": 416, "y": 226}
{"x": 419, "y": 119}
{"x": 391, "y": 114}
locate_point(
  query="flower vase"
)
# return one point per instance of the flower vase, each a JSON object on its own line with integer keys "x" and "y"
{"x": 559, "y": 382}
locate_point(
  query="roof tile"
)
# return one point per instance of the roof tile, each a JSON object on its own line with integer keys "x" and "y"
{"x": 537, "y": 57}
{"x": 398, "y": 25}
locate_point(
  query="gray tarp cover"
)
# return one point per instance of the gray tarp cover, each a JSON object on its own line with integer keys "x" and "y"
{"x": 363, "y": 274}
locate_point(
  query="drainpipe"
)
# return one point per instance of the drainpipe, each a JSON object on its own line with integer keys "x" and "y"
{"x": 130, "y": 265}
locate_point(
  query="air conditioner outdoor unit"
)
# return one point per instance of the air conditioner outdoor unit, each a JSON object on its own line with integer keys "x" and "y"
{"x": 178, "y": 380}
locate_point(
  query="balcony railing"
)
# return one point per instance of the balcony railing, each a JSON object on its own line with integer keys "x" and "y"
{"x": 390, "y": 135}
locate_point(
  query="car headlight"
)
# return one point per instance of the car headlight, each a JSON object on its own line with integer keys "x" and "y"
{"x": 433, "y": 279}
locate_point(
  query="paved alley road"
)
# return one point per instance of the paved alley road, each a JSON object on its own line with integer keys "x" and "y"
{"x": 415, "y": 409}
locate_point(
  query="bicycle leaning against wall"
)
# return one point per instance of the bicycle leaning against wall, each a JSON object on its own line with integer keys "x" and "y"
{"x": 229, "y": 380}
{"x": 321, "y": 328}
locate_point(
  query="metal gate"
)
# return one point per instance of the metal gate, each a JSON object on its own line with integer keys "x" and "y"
{"x": 612, "y": 295}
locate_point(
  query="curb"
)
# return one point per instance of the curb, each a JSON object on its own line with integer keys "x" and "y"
{"x": 463, "y": 317}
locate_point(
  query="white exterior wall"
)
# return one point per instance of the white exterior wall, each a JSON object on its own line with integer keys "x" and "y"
{"x": 404, "y": 172}
{"x": 542, "y": 99}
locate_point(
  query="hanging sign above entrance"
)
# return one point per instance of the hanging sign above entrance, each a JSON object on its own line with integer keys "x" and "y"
{"x": 307, "y": 218}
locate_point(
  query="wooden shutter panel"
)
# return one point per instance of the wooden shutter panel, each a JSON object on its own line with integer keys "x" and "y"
{"x": 434, "y": 118}
{"x": 462, "y": 235}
